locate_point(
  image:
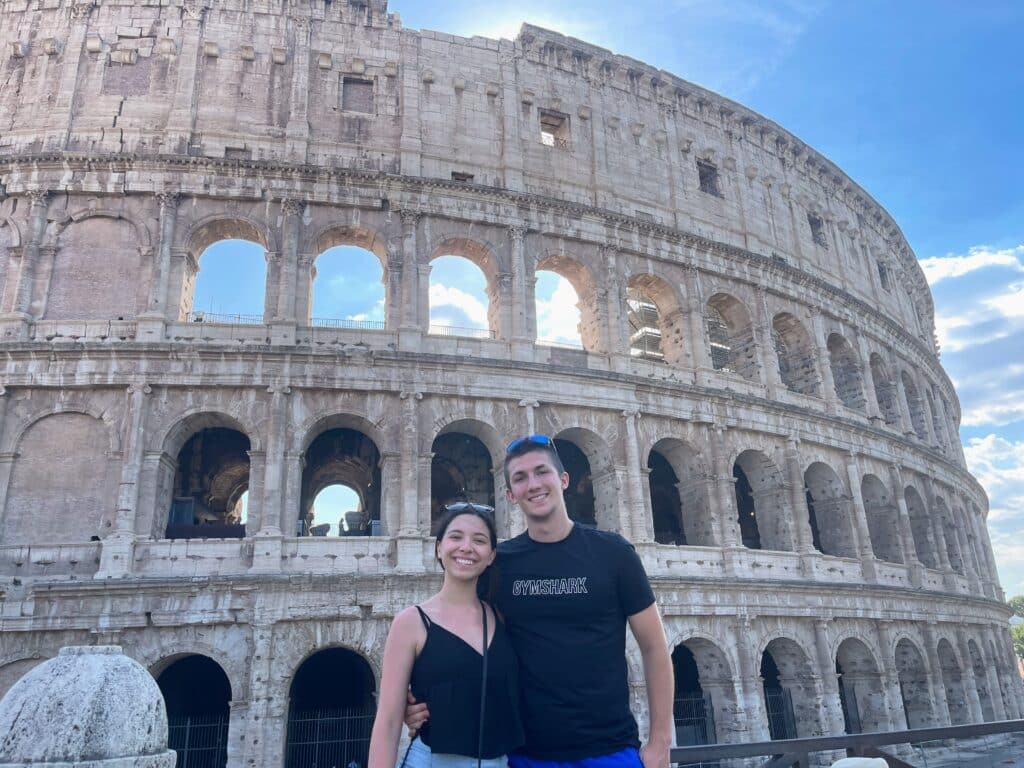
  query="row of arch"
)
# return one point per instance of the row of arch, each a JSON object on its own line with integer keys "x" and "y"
{"x": 781, "y": 690}
{"x": 763, "y": 497}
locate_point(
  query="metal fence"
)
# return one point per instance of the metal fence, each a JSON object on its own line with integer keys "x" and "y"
{"x": 781, "y": 722}
{"x": 223, "y": 319}
{"x": 334, "y": 322}
{"x": 455, "y": 330}
{"x": 695, "y": 723}
{"x": 329, "y": 738}
{"x": 201, "y": 741}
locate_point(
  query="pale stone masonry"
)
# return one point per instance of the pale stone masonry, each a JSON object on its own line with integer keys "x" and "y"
{"x": 758, "y": 405}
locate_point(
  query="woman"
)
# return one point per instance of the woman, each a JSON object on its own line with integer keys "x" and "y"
{"x": 437, "y": 647}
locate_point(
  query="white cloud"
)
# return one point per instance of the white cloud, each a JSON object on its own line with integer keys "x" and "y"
{"x": 558, "y": 318}
{"x": 447, "y": 296}
{"x": 998, "y": 464}
{"x": 940, "y": 268}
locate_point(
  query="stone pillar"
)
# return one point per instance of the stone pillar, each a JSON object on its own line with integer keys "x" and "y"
{"x": 801, "y": 515}
{"x": 701, "y": 359}
{"x": 156, "y": 308}
{"x": 959, "y": 521}
{"x": 618, "y": 336}
{"x": 393, "y": 280}
{"x": 832, "y": 711}
{"x": 870, "y": 395}
{"x": 749, "y": 691}
{"x": 6, "y": 459}
{"x": 890, "y": 677}
{"x": 62, "y": 114}
{"x": 524, "y": 308}
{"x": 305, "y": 276}
{"x": 410, "y": 320}
{"x": 238, "y": 719}
{"x": 723, "y": 501}
{"x": 297, "y": 129}
{"x": 260, "y": 692}
{"x": 272, "y": 508}
{"x": 1016, "y": 683}
{"x": 939, "y": 536}
{"x": 641, "y": 524}
{"x": 117, "y": 554}
{"x": 766, "y": 354}
{"x": 865, "y": 551}
{"x": 992, "y": 679}
{"x": 906, "y": 423}
{"x": 409, "y": 539}
{"x": 30, "y": 253}
{"x": 967, "y": 678}
{"x": 501, "y": 310}
{"x": 828, "y": 382}
{"x": 291, "y": 213}
{"x": 181, "y": 119}
{"x": 914, "y": 566}
{"x": 936, "y": 682}
{"x": 390, "y": 492}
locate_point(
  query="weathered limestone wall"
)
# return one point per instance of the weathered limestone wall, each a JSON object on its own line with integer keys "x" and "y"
{"x": 820, "y": 510}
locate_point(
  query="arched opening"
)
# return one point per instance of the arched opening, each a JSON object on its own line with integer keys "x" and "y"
{"x": 679, "y": 495}
{"x": 761, "y": 503}
{"x": 949, "y": 531}
{"x": 860, "y": 689}
{"x": 795, "y": 353}
{"x": 579, "y": 496}
{"x": 558, "y": 311}
{"x": 462, "y": 301}
{"x": 920, "y": 528}
{"x": 198, "y": 698}
{"x": 988, "y": 712}
{"x": 656, "y": 329}
{"x": 644, "y": 326}
{"x": 913, "y": 682}
{"x": 331, "y": 705}
{"x": 346, "y": 289}
{"x": 461, "y": 470}
{"x": 885, "y": 391}
{"x": 731, "y": 337}
{"x": 340, "y": 458}
{"x": 788, "y": 688}
{"x": 229, "y": 285}
{"x": 830, "y": 511}
{"x": 846, "y": 372}
{"x": 882, "y": 517}
{"x": 956, "y": 700}
{"x": 210, "y": 481}
{"x": 692, "y": 709}
{"x": 940, "y": 426}
{"x": 914, "y": 406}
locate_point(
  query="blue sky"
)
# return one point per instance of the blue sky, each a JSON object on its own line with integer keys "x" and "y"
{"x": 921, "y": 103}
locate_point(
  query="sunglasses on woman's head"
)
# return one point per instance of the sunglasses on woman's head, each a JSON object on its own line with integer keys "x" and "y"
{"x": 468, "y": 506}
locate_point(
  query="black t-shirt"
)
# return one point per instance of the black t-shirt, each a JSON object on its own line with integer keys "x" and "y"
{"x": 565, "y": 606}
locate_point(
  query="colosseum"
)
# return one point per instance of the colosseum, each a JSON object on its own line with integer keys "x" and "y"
{"x": 756, "y": 402}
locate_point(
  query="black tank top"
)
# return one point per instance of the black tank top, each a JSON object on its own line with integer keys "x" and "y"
{"x": 446, "y": 675}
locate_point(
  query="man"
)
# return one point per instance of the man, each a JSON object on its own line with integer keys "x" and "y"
{"x": 567, "y": 593}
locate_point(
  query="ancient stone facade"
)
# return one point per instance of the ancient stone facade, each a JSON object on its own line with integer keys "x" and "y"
{"x": 758, "y": 402}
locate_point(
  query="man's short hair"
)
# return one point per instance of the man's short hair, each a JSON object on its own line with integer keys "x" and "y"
{"x": 531, "y": 444}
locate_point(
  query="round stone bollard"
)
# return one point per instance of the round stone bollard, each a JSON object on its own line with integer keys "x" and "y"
{"x": 90, "y": 707}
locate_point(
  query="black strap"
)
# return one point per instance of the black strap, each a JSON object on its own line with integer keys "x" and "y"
{"x": 424, "y": 618}
{"x": 483, "y": 691}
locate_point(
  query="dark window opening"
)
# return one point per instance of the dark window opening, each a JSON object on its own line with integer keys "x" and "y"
{"x": 579, "y": 496}
{"x": 210, "y": 486}
{"x": 461, "y": 470}
{"x": 707, "y": 174}
{"x": 465, "y": 178}
{"x": 778, "y": 701}
{"x": 817, "y": 230}
{"x": 665, "y": 502}
{"x": 749, "y": 534}
{"x": 692, "y": 709}
{"x": 197, "y": 695}
{"x": 883, "y": 276}
{"x": 357, "y": 95}
{"x": 340, "y": 459}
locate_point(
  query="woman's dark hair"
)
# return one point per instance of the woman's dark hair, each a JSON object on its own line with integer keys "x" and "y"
{"x": 488, "y": 581}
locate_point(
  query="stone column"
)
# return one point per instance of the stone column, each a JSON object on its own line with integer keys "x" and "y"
{"x": 959, "y": 521}
{"x": 305, "y": 276}
{"x": 828, "y": 383}
{"x": 157, "y": 304}
{"x": 939, "y": 536}
{"x": 723, "y": 501}
{"x": 865, "y": 551}
{"x": 641, "y": 524}
{"x": 984, "y": 554}
{"x": 291, "y": 212}
{"x": 411, "y": 294}
{"x": 181, "y": 119}
{"x": 524, "y": 308}
{"x": 914, "y": 567}
{"x": 1016, "y": 683}
{"x": 393, "y": 280}
{"x": 501, "y": 310}
{"x": 874, "y": 412}
{"x": 409, "y": 539}
{"x": 832, "y": 710}
{"x": 749, "y": 691}
{"x": 118, "y": 549}
{"x": 995, "y": 694}
{"x": 62, "y": 115}
{"x": 936, "y": 682}
{"x": 967, "y": 678}
{"x": 890, "y": 678}
{"x": 297, "y": 129}
{"x": 30, "y": 253}
{"x": 801, "y": 515}
{"x": 390, "y": 492}
{"x": 701, "y": 357}
{"x": 6, "y": 459}
{"x": 255, "y": 751}
{"x": 272, "y": 510}
{"x": 906, "y": 423}
{"x": 766, "y": 354}
{"x": 618, "y": 337}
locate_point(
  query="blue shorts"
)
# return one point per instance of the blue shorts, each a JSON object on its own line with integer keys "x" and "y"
{"x": 624, "y": 758}
{"x": 420, "y": 756}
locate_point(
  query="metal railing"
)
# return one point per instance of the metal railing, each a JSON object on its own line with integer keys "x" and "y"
{"x": 455, "y": 330}
{"x": 329, "y": 738}
{"x": 335, "y": 322}
{"x": 198, "y": 316}
{"x": 792, "y": 753}
{"x": 201, "y": 741}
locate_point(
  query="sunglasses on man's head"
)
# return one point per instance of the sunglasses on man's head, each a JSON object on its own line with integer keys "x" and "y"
{"x": 468, "y": 506}
{"x": 542, "y": 441}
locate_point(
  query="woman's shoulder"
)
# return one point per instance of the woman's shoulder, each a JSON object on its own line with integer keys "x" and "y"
{"x": 408, "y": 622}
